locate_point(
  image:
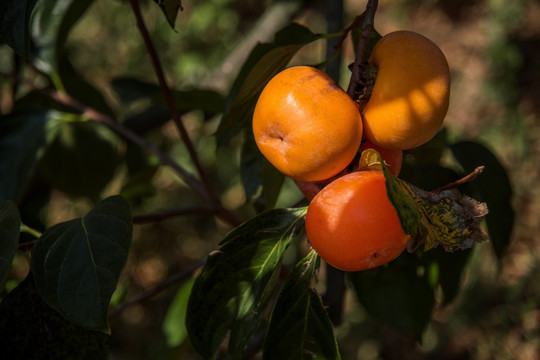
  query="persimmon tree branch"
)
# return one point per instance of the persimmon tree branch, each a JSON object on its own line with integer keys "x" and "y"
{"x": 464, "y": 180}
{"x": 151, "y": 292}
{"x": 355, "y": 85}
{"x": 169, "y": 99}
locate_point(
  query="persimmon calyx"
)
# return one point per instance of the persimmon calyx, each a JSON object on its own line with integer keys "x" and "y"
{"x": 447, "y": 218}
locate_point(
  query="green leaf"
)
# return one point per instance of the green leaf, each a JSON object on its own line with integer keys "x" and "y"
{"x": 30, "y": 329}
{"x": 447, "y": 218}
{"x": 446, "y": 270}
{"x": 397, "y": 295}
{"x": 174, "y": 324}
{"x": 80, "y": 89}
{"x": 272, "y": 182}
{"x": 50, "y": 24}
{"x": 170, "y": 9}
{"x": 493, "y": 187}
{"x": 76, "y": 264}
{"x": 25, "y": 135}
{"x": 10, "y": 223}
{"x": 89, "y": 157}
{"x": 299, "y": 325}
{"x": 233, "y": 289}
{"x": 14, "y": 19}
{"x": 265, "y": 61}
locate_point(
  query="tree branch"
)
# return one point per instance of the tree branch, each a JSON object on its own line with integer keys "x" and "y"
{"x": 169, "y": 99}
{"x": 361, "y": 50}
{"x": 151, "y": 292}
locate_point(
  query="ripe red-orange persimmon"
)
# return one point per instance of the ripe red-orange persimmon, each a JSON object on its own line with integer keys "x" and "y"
{"x": 306, "y": 125}
{"x": 352, "y": 225}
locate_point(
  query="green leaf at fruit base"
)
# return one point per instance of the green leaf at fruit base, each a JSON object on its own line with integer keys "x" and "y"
{"x": 233, "y": 289}
{"x": 30, "y": 329}
{"x": 82, "y": 159}
{"x": 265, "y": 61}
{"x": 493, "y": 187}
{"x": 10, "y": 224}
{"x": 76, "y": 264}
{"x": 170, "y": 9}
{"x": 299, "y": 326}
{"x": 25, "y": 136}
{"x": 397, "y": 295}
{"x": 447, "y": 218}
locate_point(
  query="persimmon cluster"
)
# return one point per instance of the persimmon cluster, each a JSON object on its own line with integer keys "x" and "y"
{"x": 311, "y": 131}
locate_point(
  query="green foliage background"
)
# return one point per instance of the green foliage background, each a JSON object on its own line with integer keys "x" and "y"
{"x": 490, "y": 45}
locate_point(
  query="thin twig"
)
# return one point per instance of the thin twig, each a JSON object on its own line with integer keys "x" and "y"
{"x": 151, "y": 292}
{"x": 361, "y": 50}
{"x": 169, "y": 99}
{"x": 466, "y": 179}
{"x": 162, "y": 215}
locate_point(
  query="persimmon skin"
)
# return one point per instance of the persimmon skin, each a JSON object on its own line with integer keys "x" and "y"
{"x": 306, "y": 125}
{"x": 411, "y": 94}
{"x": 352, "y": 225}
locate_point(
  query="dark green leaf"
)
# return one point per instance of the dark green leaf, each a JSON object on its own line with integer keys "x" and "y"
{"x": 14, "y": 19}
{"x": 174, "y": 324}
{"x": 76, "y": 264}
{"x": 132, "y": 89}
{"x": 233, "y": 289}
{"x": 82, "y": 159}
{"x": 272, "y": 183}
{"x": 446, "y": 270}
{"x": 50, "y": 25}
{"x": 397, "y": 295}
{"x": 10, "y": 223}
{"x": 251, "y": 165}
{"x": 299, "y": 325}
{"x": 494, "y": 188}
{"x": 31, "y": 330}
{"x": 79, "y": 88}
{"x": 265, "y": 61}
{"x": 25, "y": 135}
{"x": 170, "y": 9}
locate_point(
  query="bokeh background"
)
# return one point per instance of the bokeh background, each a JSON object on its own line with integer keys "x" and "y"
{"x": 493, "y": 48}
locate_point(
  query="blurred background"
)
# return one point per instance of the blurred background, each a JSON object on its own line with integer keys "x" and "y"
{"x": 493, "y": 48}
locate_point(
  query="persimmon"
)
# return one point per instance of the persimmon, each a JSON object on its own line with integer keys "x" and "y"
{"x": 352, "y": 224}
{"x": 410, "y": 97}
{"x": 306, "y": 125}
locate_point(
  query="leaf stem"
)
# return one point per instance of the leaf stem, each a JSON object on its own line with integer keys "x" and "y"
{"x": 355, "y": 85}
{"x": 464, "y": 180}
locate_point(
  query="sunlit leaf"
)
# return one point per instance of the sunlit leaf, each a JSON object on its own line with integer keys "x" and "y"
{"x": 265, "y": 61}
{"x": 447, "y": 218}
{"x": 10, "y": 223}
{"x": 50, "y": 25}
{"x": 30, "y": 329}
{"x": 233, "y": 289}
{"x": 397, "y": 295}
{"x": 299, "y": 326}
{"x": 25, "y": 136}
{"x": 493, "y": 187}
{"x": 77, "y": 263}
{"x": 170, "y": 9}
{"x": 174, "y": 324}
